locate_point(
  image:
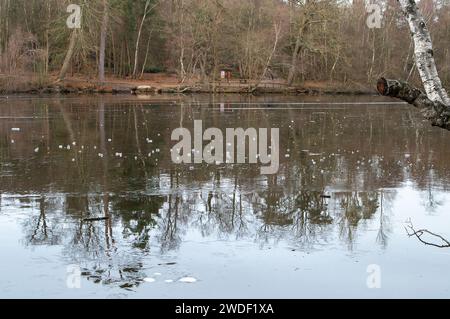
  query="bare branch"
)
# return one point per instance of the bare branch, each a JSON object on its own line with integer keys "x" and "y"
{"x": 435, "y": 111}
{"x": 419, "y": 233}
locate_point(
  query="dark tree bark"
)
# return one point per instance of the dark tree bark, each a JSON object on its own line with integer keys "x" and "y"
{"x": 435, "y": 111}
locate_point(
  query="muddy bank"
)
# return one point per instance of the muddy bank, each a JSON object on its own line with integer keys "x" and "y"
{"x": 141, "y": 88}
{"x": 146, "y": 90}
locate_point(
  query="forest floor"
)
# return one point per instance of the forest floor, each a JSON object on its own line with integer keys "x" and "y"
{"x": 166, "y": 83}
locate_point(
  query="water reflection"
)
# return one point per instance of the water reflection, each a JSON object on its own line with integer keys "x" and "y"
{"x": 63, "y": 161}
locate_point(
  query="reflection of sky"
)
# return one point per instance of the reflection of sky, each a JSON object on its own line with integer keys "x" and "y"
{"x": 245, "y": 266}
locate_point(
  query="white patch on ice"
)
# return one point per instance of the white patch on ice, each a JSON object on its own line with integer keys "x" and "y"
{"x": 148, "y": 279}
{"x": 188, "y": 280}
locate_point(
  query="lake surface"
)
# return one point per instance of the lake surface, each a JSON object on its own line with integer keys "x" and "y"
{"x": 354, "y": 172}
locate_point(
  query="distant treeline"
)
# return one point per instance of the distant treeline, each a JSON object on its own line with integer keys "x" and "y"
{"x": 293, "y": 41}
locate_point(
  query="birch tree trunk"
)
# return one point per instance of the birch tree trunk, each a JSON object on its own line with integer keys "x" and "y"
{"x": 434, "y": 103}
{"x": 424, "y": 52}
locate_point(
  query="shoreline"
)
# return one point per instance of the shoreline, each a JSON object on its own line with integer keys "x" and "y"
{"x": 169, "y": 85}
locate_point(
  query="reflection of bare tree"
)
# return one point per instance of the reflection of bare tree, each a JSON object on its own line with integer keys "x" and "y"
{"x": 356, "y": 207}
{"x": 170, "y": 238}
{"x": 310, "y": 216}
{"x": 106, "y": 264}
{"x": 39, "y": 230}
{"x": 273, "y": 214}
{"x": 138, "y": 214}
{"x": 382, "y": 237}
{"x": 106, "y": 254}
{"x": 431, "y": 203}
{"x": 220, "y": 202}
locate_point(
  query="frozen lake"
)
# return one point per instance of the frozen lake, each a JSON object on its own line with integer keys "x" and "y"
{"x": 354, "y": 172}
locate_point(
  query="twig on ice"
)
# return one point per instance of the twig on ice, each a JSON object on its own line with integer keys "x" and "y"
{"x": 419, "y": 233}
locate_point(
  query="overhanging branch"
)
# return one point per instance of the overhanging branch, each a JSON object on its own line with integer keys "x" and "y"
{"x": 436, "y": 112}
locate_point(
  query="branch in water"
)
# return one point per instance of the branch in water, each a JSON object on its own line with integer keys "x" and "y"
{"x": 419, "y": 233}
{"x": 436, "y": 112}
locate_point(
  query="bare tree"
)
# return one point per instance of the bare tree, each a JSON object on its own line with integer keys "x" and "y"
{"x": 147, "y": 10}
{"x": 277, "y": 30}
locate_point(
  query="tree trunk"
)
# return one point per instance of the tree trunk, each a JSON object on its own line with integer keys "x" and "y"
{"x": 103, "y": 35}
{"x": 302, "y": 29}
{"x": 69, "y": 54}
{"x": 294, "y": 58}
{"x": 293, "y": 68}
{"x": 277, "y": 28}
{"x": 138, "y": 40}
{"x": 424, "y": 52}
{"x": 146, "y": 54}
{"x": 434, "y": 103}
